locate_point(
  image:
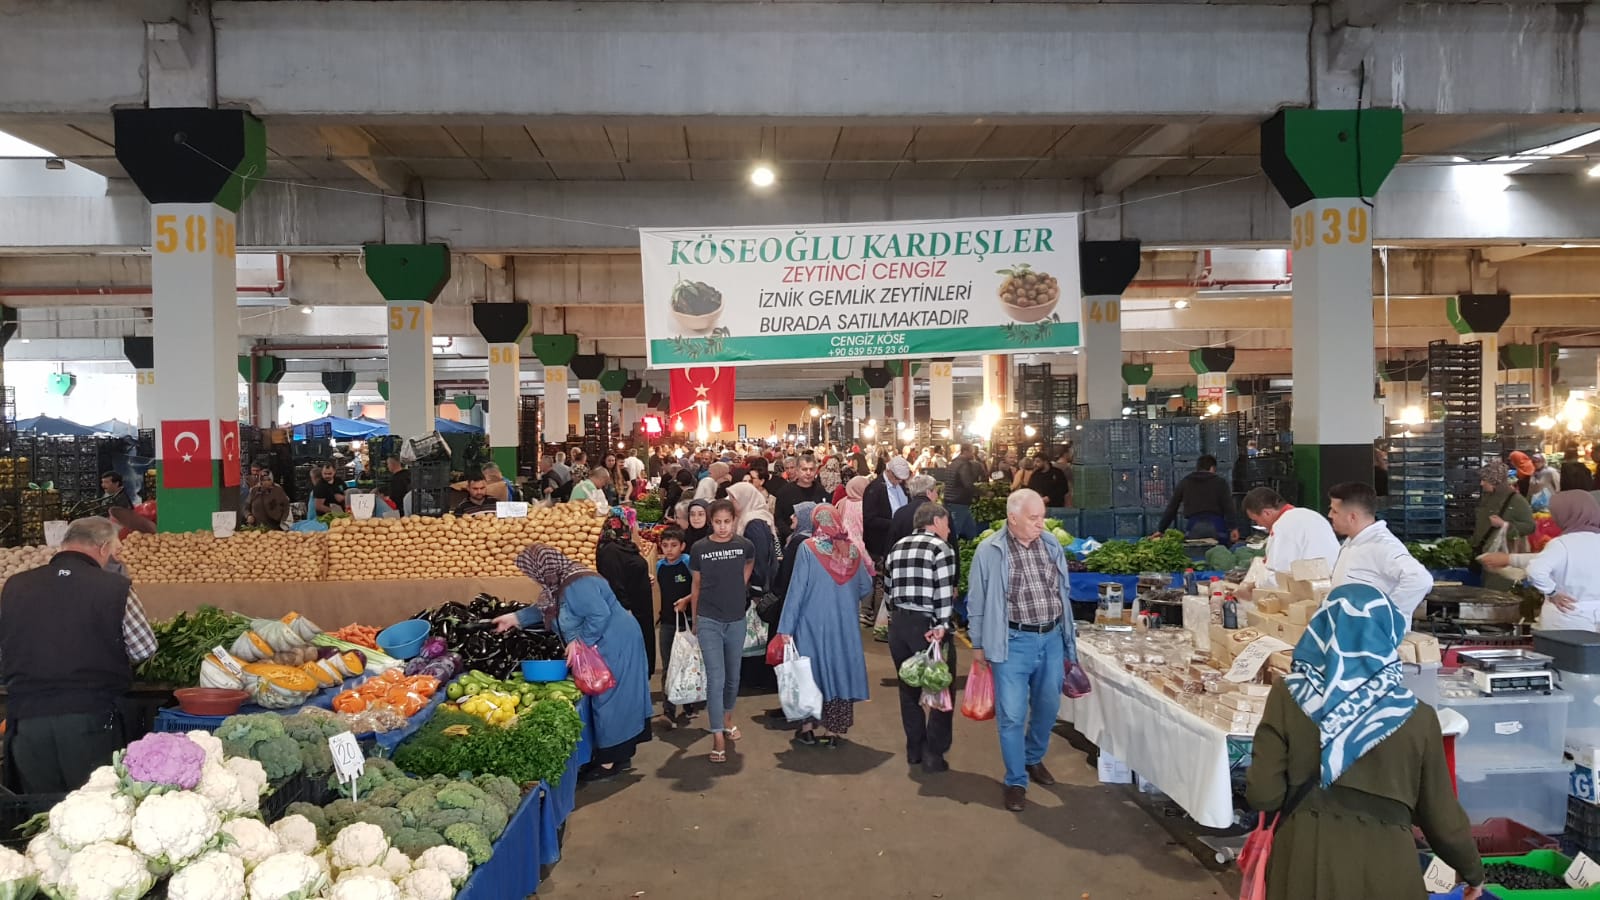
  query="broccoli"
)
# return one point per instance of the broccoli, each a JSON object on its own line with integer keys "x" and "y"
{"x": 418, "y": 806}
{"x": 315, "y": 757}
{"x": 386, "y": 794}
{"x": 303, "y": 728}
{"x": 488, "y": 815}
{"x": 383, "y": 769}
{"x": 471, "y": 840}
{"x": 461, "y": 795}
{"x": 342, "y": 812}
{"x": 385, "y": 817}
{"x": 501, "y": 788}
{"x": 241, "y": 734}
{"x": 373, "y": 775}
{"x": 279, "y": 756}
{"x": 314, "y": 814}
{"x": 412, "y": 841}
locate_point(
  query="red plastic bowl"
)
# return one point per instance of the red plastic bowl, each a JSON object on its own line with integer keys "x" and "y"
{"x": 210, "y": 701}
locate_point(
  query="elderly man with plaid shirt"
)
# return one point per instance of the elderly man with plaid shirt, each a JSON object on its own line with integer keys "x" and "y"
{"x": 1020, "y": 622}
{"x": 919, "y": 584}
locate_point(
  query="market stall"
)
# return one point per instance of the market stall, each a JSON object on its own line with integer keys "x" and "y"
{"x": 330, "y": 601}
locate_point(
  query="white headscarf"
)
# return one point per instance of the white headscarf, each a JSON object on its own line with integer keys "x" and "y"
{"x": 749, "y": 503}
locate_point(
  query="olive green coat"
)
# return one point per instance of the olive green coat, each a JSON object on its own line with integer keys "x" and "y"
{"x": 1518, "y": 515}
{"x": 1353, "y": 839}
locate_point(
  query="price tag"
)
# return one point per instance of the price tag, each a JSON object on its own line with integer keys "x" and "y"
{"x": 226, "y": 660}
{"x": 514, "y": 510}
{"x": 1440, "y": 878}
{"x": 362, "y": 505}
{"x": 54, "y": 532}
{"x": 1253, "y": 657}
{"x": 348, "y": 760}
{"x": 1583, "y": 873}
{"x": 223, "y": 523}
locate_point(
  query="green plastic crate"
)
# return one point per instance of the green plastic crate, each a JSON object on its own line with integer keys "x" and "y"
{"x": 1548, "y": 861}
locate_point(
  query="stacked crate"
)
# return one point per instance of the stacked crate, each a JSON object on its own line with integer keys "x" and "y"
{"x": 14, "y": 471}
{"x": 1417, "y": 487}
{"x": 530, "y": 431}
{"x": 1108, "y": 457}
{"x": 597, "y": 432}
{"x": 1455, "y": 386}
{"x": 1050, "y": 403}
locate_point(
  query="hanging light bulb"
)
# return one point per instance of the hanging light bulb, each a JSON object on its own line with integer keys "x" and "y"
{"x": 678, "y": 425}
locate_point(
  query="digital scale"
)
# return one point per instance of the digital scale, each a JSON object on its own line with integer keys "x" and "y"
{"x": 1510, "y": 671}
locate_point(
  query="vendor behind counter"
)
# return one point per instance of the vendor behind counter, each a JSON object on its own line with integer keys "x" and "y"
{"x": 1206, "y": 500}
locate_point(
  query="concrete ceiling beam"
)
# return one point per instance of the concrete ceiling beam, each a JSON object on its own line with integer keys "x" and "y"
{"x": 353, "y": 147}
{"x": 1147, "y": 155}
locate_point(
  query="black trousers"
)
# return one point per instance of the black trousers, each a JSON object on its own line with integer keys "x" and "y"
{"x": 55, "y": 754}
{"x": 927, "y": 730}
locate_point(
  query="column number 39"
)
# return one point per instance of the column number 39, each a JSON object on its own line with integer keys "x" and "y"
{"x": 1333, "y": 227}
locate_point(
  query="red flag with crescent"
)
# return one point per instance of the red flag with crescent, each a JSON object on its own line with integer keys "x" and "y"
{"x": 186, "y": 453}
{"x": 229, "y": 435}
{"x": 712, "y": 385}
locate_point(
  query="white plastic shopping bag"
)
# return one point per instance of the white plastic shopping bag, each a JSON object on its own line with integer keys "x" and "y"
{"x": 755, "y": 633}
{"x": 797, "y": 688}
{"x": 686, "y": 673}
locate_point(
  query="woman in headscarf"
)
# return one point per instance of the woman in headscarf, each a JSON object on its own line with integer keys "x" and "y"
{"x": 677, "y": 487}
{"x": 699, "y": 523}
{"x": 755, "y": 524}
{"x": 1522, "y": 463}
{"x": 579, "y": 606}
{"x": 1352, "y": 761}
{"x": 830, "y": 475}
{"x": 852, "y": 518}
{"x": 1500, "y": 506}
{"x": 803, "y": 529}
{"x": 1567, "y": 569}
{"x": 819, "y": 615}
{"x": 620, "y": 563}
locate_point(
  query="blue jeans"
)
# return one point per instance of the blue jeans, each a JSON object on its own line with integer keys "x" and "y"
{"x": 1027, "y": 697}
{"x": 722, "y": 643}
{"x": 963, "y": 527}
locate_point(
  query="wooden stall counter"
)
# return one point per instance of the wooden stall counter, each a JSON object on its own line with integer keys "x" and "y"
{"x": 330, "y": 604}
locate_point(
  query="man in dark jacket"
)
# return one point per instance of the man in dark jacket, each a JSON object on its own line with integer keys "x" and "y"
{"x": 803, "y": 487}
{"x": 69, "y": 633}
{"x": 919, "y": 490}
{"x": 1206, "y": 501}
{"x": 884, "y": 497}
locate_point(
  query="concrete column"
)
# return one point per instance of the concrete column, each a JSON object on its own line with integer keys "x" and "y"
{"x": 265, "y": 373}
{"x": 190, "y": 164}
{"x": 997, "y": 381}
{"x": 612, "y": 381}
{"x": 941, "y": 392}
{"x": 1479, "y": 318}
{"x": 1106, "y": 268}
{"x": 1137, "y": 377}
{"x": 409, "y": 277}
{"x": 588, "y": 367}
{"x": 141, "y": 354}
{"x": 858, "y": 389}
{"x": 1325, "y": 163}
{"x": 877, "y": 379}
{"x": 338, "y": 385}
{"x": 632, "y": 389}
{"x": 1211, "y": 364}
{"x": 555, "y": 351}
{"x": 504, "y": 326}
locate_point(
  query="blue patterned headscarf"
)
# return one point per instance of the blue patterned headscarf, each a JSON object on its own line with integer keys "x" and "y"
{"x": 802, "y": 518}
{"x": 1346, "y": 675}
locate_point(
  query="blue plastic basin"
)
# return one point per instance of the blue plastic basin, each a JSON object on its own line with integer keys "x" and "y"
{"x": 403, "y": 640}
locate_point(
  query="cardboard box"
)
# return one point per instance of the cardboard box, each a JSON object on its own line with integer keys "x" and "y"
{"x": 1424, "y": 647}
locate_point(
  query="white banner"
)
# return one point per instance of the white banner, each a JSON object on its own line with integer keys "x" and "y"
{"x": 875, "y": 290}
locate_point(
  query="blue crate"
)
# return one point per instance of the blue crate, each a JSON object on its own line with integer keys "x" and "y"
{"x": 1100, "y": 524}
{"x": 1092, "y": 444}
{"x": 1125, "y": 487}
{"x": 1128, "y": 523}
{"x": 1155, "y": 485}
{"x": 1187, "y": 440}
{"x": 1155, "y": 441}
{"x": 1067, "y": 517}
{"x": 1091, "y": 487}
{"x": 1124, "y": 442}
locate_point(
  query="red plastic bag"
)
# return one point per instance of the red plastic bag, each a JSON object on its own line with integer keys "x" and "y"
{"x": 1543, "y": 531}
{"x": 1075, "y": 682}
{"x": 775, "y": 650}
{"x": 1253, "y": 859}
{"x": 589, "y": 672}
{"x": 977, "y": 701}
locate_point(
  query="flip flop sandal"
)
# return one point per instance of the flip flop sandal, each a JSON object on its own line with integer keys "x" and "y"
{"x": 734, "y": 734}
{"x": 719, "y": 756}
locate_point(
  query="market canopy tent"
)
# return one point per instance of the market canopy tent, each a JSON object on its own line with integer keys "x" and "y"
{"x": 52, "y": 425}
{"x": 443, "y": 426}
{"x": 343, "y": 429}
{"x": 116, "y": 428}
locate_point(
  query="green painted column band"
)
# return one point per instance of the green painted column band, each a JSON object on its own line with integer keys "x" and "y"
{"x": 857, "y": 387}
{"x": 1478, "y": 313}
{"x": 1211, "y": 359}
{"x": 191, "y": 155}
{"x": 1312, "y": 154}
{"x": 407, "y": 273}
{"x": 383, "y": 389}
{"x": 506, "y": 459}
{"x": 1191, "y": 393}
{"x": 896, "y": 368}
{"x": 831, "y": 398}
{"x": 613, "y": 379}
{"x": 555, "y": 349}
{"x": 190, "y": 509}
{"x": 464, "y": 402}
{"x": 1137, "y": 373}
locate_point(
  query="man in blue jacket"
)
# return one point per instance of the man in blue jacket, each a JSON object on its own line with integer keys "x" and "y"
{"x": 1020, "y": 622}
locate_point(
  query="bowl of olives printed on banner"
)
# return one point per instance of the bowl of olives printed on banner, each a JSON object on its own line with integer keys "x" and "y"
{"x": 696, "y": 305}
{"x": 1026, "y": 295}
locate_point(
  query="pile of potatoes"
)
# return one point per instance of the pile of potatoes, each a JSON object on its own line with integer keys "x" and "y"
{"x": 248, "y": 556}
{"x": 21, "y": 559}
{"x": 419, "y": 547}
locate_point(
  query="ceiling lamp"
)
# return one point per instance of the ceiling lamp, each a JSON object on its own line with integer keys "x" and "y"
{"x": 762, "y": 176}
{"x": 1180, "y": 304}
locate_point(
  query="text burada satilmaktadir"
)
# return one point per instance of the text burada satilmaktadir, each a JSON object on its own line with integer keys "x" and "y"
{"x": 801, "y": 247}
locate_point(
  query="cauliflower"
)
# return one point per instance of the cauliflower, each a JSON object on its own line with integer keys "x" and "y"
{"x": 314, "y": 814}
{"x": 448, "y": 860}
{"x": 225, "y": 793}
{"x": 214, "y": 876}
{"x": 105, "y": 871}
{"x": 397, "y": 864}
{"x": 321, "y": 859}
{"x": 296, "y": 834}
{"x": 367, "y": 887}
{"x": 428, "y": 884}
{"x": 88, "y": 817}
{"x": 357, "y": 845}
{"x": 287, "y": 876}
{"x": 470, "y": 840}
{"x": 209, "y": 743}
{"x": 250, "y": 774}
{"x": 174, "y": 827}
{"x": 252, "y": 841}
{"x": 103, "y": 780}
{"x": 49, "y": 857}
{"x": 363, "y": 872}
{"x": 19, "y": 877}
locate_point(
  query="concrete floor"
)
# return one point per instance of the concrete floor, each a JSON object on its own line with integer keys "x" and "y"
{"x": 783, "y": 820}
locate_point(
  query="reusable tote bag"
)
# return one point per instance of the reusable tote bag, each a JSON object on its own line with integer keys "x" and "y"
{"x": 797, "y": 687}
{"x": 686, "y": 674}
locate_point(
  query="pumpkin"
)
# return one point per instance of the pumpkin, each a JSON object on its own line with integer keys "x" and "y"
{"x": 303, "y": 627}
{"x": 287, "y": 677}
{"x": 353, "y": 662}
{"x": 214, "y": 675}
{"x": 250, "y": 647}
{"x": 320, "y": 674}
{"x": 276, "y": 696}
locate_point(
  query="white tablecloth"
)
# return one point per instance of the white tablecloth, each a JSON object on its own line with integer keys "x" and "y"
{"x": 1179, "y": 752}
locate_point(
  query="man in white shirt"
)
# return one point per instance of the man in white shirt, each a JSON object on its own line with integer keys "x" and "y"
{"x": 1371, "y": 555}
{"x": 1292, "y": 534}
{"x": 633, "y": 465}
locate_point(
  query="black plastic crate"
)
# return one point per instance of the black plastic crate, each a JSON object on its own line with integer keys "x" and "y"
{"x": 299, "y": 788}
{"x": 1125, "y": 486}
{"x": 431, "y": 475}
{"x": 1156, "y": 440}
{"x": 15, "y": 809}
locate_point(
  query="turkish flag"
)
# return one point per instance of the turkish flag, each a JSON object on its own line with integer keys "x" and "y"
{"x": 712, "y": 384}
{"x": 229, "y": 432}
{"x": 186, "y": 453}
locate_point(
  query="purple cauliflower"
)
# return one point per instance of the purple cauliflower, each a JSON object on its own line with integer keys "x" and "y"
{"x": 166, "y": 759}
